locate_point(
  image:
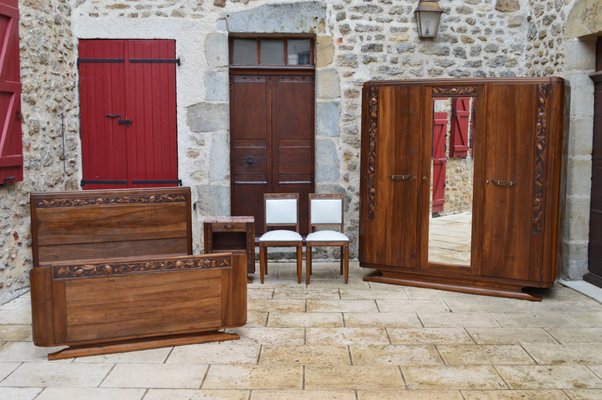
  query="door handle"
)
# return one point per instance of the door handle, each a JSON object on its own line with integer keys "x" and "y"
{"x": 250, "y": 161}
{"x": 113, "y": 116}
{"x": 500, "y": 183}
{"x": 402, "y": 178}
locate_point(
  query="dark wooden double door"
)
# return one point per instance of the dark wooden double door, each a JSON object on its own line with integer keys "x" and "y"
{"x": 595, "y": 225}
{"x": 272, "y": 140}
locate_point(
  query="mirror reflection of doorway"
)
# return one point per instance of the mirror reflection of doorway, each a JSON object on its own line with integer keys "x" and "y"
{"x": 452, "y": 171}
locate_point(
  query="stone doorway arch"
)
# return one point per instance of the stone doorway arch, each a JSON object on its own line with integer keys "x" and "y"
{"x": 583, "y": 26}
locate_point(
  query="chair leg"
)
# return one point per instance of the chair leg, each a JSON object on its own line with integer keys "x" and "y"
{"x": 299, "y": 262}
{"x": 262, "y": 262}
{"x": 341, "y": 261}
{"x": 346, "y": 270}
{"x": 307, "y": 264}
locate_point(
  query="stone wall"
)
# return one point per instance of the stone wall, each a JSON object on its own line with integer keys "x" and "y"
{"x": 50, "y": 131}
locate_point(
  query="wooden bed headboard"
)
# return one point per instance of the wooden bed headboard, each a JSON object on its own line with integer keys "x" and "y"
{"x": 96, "y": 224}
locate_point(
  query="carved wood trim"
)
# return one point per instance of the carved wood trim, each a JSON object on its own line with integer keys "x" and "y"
{"x": 109, "y": 200}
{"x": 454, "y": 91}
{"x": 539, "y": 177}
{"x": 372, "y": 130}
{"x": 134, "y": 267}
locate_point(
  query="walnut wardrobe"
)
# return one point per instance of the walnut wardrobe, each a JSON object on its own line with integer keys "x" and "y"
{"x": 461, "y": 184}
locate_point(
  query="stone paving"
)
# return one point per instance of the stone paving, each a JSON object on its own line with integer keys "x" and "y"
{"x": 339, "y": 342}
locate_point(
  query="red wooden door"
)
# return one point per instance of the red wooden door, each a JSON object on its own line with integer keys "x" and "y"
{"x": 439, "y": 161}
{"x": 459, "y": 137}
{"x": 271, "y": 141}
{"x": 11, "y": 153}
{"x": 128, "y": 113}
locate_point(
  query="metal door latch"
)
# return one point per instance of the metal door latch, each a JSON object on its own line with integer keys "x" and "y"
{"x": 250, "y": 161}
{"x": 124, "y": 122}
{"x": 502, "y": 183}
{"x": 402, "y": 177}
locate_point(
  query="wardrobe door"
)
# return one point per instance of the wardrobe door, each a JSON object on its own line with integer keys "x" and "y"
{"x": 510, "y": 157}
{"x": 389, "y": 184}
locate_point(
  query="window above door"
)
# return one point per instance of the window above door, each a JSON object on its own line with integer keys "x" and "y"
{"x": 271, "y": 51}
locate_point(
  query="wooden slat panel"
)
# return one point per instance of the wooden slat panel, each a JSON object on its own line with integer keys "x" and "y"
{"x": 111, "y": 223}
{"x": 66, "y": 252}
{"x": 151, "y": 106}
{"x": 293, "y": 140}
{"x": 140, "y": 305}
{"x": 511, "y": 113}
{"x": 11, "y": 150}
{"x": 102, "y": 93}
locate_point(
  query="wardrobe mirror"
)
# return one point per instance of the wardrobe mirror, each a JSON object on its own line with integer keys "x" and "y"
{"x": 452, "y": 170}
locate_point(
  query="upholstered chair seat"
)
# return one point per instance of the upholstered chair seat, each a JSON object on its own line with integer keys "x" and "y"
{"x": 280, "y": 235}
{"x": 327, "y": 236}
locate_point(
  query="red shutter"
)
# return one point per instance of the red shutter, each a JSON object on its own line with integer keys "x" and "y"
{"x": 128, "y": 113}
{"x": 439, "y": 161}
{"x": 151, "y": 106}
{"x": 102, "y": 105}
{"x": 11, "y": 150}
{"x": 459, "y": 128}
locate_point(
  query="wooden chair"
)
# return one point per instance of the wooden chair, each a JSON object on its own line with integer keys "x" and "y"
{"x": 281, "y": 209}
{"x": 327, "y": 210}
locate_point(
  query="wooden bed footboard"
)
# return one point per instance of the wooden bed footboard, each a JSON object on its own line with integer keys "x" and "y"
{"x": 102, "y": 301}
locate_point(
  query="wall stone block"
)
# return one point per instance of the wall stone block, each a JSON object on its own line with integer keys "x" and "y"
{"x": 579, "y": 180}
{"x": 324, "y": 51}
{"x": 580, "y": 137}
{"x": 216, "y": 49}
{"x": 327, "y": 161}
{"x": 507, "y": 5}
{"x": 213, "y": 200}
{"x": 219, "y": 168}
{"x": 207, "y": 117}
{"x": 577, "y": 219}
{"x": 216, "y": 85}
{"x": 327, "y": 117}
{"x": 304, "y": 16}
{"x": 328, "y": 85}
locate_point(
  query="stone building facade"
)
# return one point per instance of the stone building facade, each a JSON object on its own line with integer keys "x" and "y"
{"x": 356, "y": 41}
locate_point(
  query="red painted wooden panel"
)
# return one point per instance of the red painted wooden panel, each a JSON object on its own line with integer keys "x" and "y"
{"x": 11, "y": 150}
{"x": 102, "y": 85}
{"x": 459, "y": 129}
{"x": 151, "y": 106}
{"x": 144, "y": 93}
{"x": 439, "y": 160}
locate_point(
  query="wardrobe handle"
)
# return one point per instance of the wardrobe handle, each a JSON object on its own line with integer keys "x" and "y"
{"x": 502, "y": 183}
{"x": 402, "y": 177}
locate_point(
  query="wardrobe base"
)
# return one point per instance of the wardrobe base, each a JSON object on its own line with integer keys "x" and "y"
{"x": 440, "y": 283}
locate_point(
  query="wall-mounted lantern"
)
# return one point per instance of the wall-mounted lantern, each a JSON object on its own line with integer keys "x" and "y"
{"x": 428, "y": 14}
